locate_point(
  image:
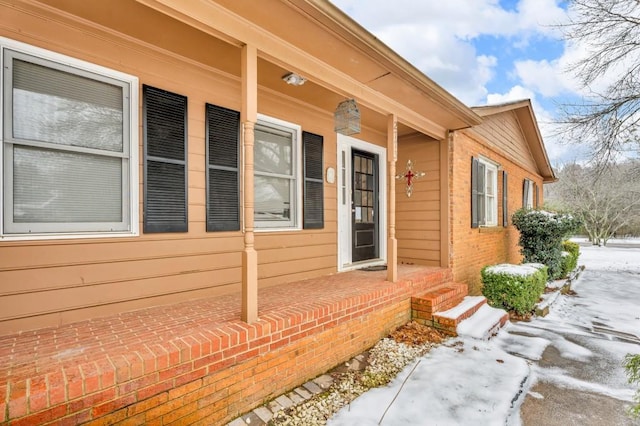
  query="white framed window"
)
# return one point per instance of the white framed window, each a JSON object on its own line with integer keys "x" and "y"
{"x": 277, "y": 180}
{"x": 484, "y": 193}
{"x": 491, "y": 194}
{"x": 69, "y": 148}
{"x": 529, "y": 194}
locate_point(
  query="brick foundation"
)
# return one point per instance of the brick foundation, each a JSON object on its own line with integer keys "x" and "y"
{"x": 205, "y": 374}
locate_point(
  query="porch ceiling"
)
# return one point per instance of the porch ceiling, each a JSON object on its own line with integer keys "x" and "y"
{"x": 331, "y": 36}
{"x": 217, "y": 51}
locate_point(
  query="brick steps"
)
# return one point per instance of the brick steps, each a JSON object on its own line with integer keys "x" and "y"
{"x": 424, "y": 306}
{"x": 483, "y": 324}
{"x": 448, "y": 306}
{"x": 448, "y": 320}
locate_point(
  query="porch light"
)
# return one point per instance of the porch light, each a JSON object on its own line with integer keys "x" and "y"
{"x": 294, "y": 79}
{"x": 347, "y": 118}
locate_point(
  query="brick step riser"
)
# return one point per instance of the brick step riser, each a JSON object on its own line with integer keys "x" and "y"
{"x": 423, "y": 307}
{"x": 423, "y": 312}
{"x": 453, "y": 322}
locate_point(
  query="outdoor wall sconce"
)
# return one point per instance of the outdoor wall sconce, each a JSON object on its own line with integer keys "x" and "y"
{"x": 331, "y": 175}
{"x": 410, "y": 175}
{"x": 347, "y": 118}
{"x": 294, "y": 79}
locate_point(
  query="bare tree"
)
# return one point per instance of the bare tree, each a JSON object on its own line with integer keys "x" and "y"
{"x": 605, "y": 199}
{"x": 608, "y": 31}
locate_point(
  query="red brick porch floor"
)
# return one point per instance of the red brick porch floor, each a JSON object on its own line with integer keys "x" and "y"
{"x": 82, "y": 371}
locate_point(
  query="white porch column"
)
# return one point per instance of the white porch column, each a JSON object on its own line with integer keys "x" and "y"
{"x": 249, "y": 116}
{"x": 392, "y": 158}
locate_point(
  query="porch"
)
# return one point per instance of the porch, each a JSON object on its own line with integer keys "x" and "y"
{"x": 196, "y": 361}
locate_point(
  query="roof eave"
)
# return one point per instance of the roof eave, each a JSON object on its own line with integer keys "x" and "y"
{"x": 384, "y": 53}
{"x": 524, "y": 111}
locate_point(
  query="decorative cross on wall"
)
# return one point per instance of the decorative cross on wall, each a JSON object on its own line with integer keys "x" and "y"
{"x": 410, "y": 175}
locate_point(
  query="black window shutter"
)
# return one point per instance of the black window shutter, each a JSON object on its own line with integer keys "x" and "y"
{"x": 474, "y": 192}
{"x": 313, "y": 211}
{"x": 505, "y": 200}
{"x": 223, "y": 171}
{"x": 536, "y": 194}
{"x": 165, "y": 161}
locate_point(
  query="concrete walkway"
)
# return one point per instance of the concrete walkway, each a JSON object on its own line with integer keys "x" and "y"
{"x": 578, "y": 376}
{"x": 562, "y": 369}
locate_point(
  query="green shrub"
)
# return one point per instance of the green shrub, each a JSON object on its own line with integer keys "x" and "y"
{"x": 514, "y": 287}
{"x": 632, "y": 365}
{"x": 541, "y": 235}
{"x": 571, "y": 247}
{"x": 570, "y": 254}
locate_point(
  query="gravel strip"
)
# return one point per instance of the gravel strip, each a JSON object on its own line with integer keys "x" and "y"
{"x": 386, "y": 359}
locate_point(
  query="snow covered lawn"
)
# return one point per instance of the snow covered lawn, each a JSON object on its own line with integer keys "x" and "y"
{"x": 578, "y": 347}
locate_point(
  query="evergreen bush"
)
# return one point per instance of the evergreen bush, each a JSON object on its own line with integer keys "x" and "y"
{"x": 541, "y": 235}
{"x": 514, "y": 287}
{"x": 570, "y": 254}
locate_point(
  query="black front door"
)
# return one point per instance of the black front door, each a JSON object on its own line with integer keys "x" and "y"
{"x": 364, "y": 206}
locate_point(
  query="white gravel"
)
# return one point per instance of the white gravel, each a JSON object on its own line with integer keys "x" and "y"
{"x": 386, "y": 359}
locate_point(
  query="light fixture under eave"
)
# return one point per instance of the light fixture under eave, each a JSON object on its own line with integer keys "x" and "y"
{"x": 294, "y": 79}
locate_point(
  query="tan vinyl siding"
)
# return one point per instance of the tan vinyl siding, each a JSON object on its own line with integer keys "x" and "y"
{"x": 418, "y": 216}
{"x": 47, "y": 282}
{"x": 504, "y": 134}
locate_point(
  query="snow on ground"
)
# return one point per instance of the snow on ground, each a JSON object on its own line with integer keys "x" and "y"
{"x": 474, "y": 381}
{"x": 438, "y": 390}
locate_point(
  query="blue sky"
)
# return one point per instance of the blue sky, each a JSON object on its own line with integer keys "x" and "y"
{"x": 484, "y": 51}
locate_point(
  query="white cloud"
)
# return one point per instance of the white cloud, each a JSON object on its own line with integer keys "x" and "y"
{"x": 542, "y": 76}
{"x": 437, "y": 36}
{"x": 452, "y": 63}
{"x": 461, "y": 18}
{"x": 558, "y": 151}
{"x": 516, "y": 93}
{"x": 542, "y": 16}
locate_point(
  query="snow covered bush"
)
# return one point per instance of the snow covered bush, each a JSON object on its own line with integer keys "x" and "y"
{"x": 541, "y": 235}
{"x": 632, "y": 365}
{"x": 570, "y": 254}
{"x": 514, "y": 287}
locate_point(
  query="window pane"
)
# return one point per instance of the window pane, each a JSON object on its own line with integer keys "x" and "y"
{"x": 491, "y": 209}
{"x": 273, "y": 151}
{"x": 272, "y": 198}
{"x": 54, "y": 106}
{"x": 358, "y": 198}
{"x": 62, "y": 187}
{"x": 491, "y": 179}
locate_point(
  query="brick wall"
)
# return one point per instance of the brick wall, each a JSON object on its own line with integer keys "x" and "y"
{"x": 474, "y": 248}
{"x": 228, "y": 393}
{"x": 210, "y": 375}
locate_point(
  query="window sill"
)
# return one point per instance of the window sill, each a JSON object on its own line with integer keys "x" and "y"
{"x": 43, "y": 237}
{"x": 262, "y": 230}
{"x": 491, "y": 229}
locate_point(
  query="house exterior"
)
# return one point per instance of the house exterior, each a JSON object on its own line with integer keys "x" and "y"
{"x": 163, "y": 151}
{"x": 497, "y": 167}
{"x": 180, "y": 110}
